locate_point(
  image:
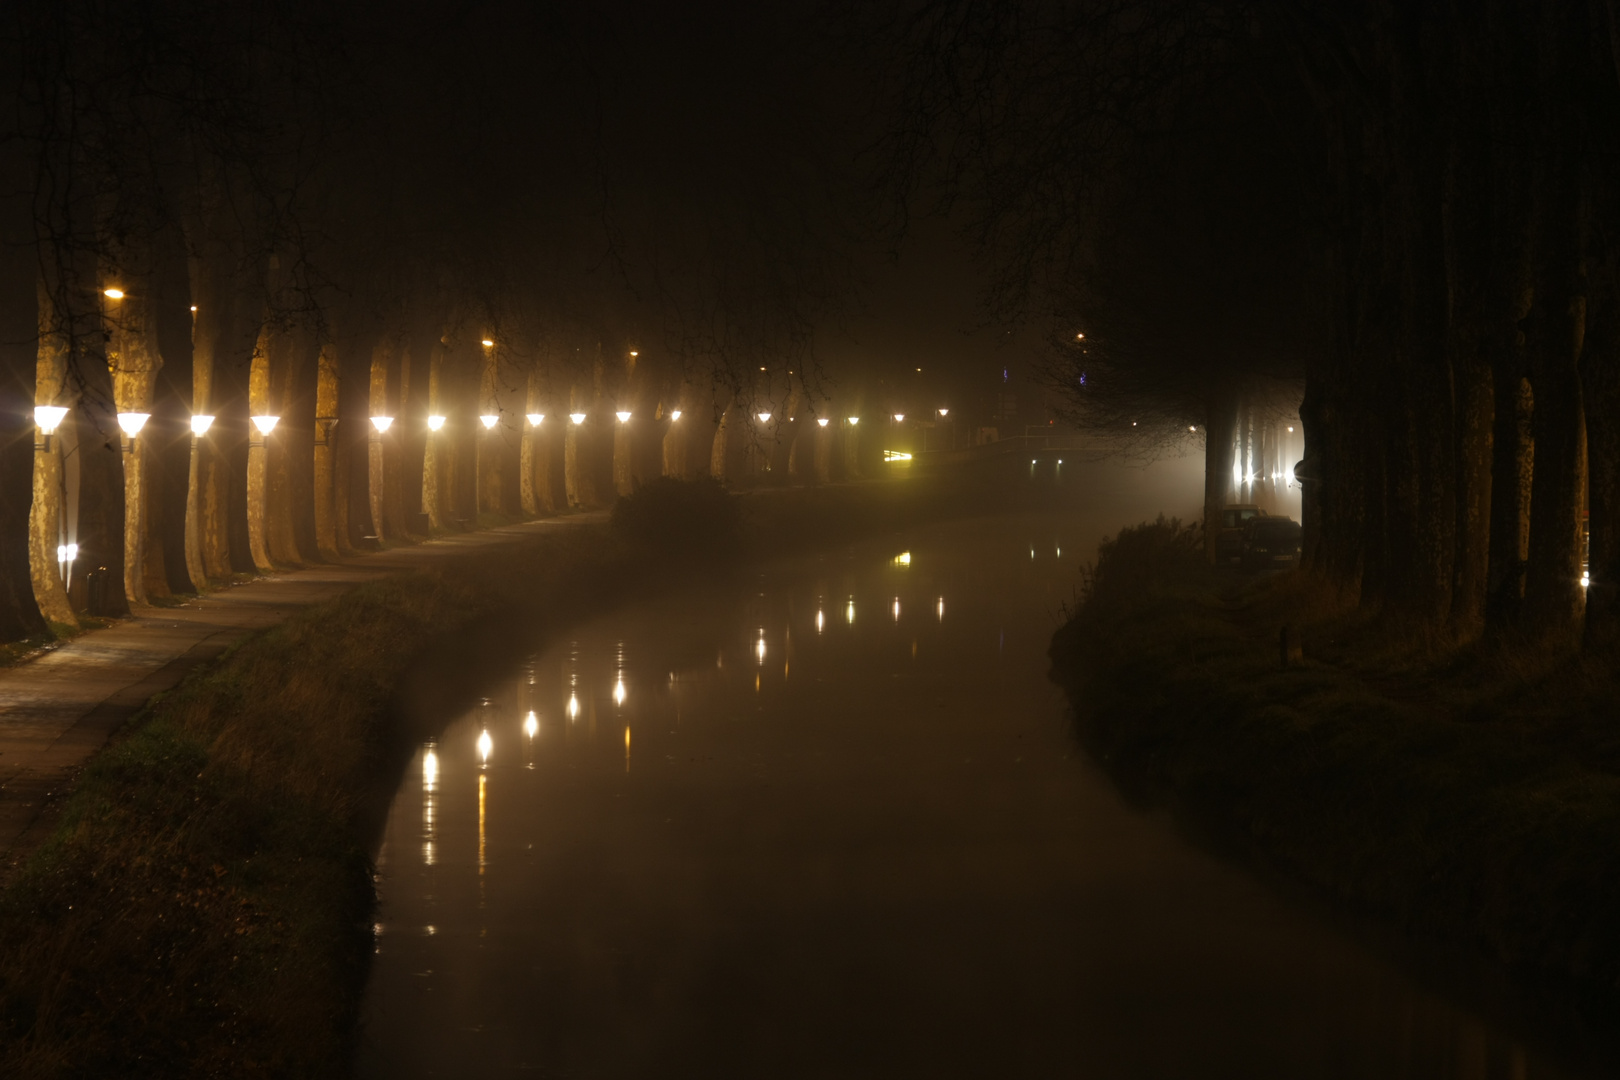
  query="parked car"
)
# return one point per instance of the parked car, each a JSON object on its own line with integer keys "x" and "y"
{"x": 1229, "y": 541}
{"x": 1271, "y": 543}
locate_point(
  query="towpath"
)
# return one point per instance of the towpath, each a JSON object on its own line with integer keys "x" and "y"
{"x": 59, "y": 708}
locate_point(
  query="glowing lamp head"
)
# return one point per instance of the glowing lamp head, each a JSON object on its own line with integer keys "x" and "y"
{"x": 536, "y": 419}
{"x": 66, "y": 553}
{"x": 488, "y": 343}
{"x": 200, "y": 424}
{"x": 489, "y": 421}
{"x": 382, "y": 423}
{"x": 577, "y": 417}
{"x": 899, "y": 417}
{"x": 634, "y": 353}
{"x": 435, "y": 423}
{"x": 764, "y": 417}
{"x": 944, "y": 412}
{"x": 49, "y": 417}
{"x": 675, "y": 414}
{"x": 265, "y": 424}
{"x": 132, "y": 422}
{"x": 113, "y": 294}
{"x": 194, "y": 309}
{"x": 623, "y": 415}
{"x": 853, "y": 420}
{"x": 821, "y": 421}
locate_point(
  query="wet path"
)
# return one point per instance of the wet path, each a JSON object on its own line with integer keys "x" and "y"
{"x": 834, "y": 823}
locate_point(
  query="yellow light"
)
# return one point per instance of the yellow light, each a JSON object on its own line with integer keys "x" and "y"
{"x": 1079, "y": 337}
{"x": 903, "y": 559}
{"x": 435, "y": 422}
{"x": 194, "y": 309}
{"x": 675, "y": 414}
{"x": 201, "y": 423}
{"x": 536, "y": 418}
{"x": 488, "y": 343}
{"x": 1192, "y": 429}
{"x": 849, "y": 613}
{"x": 49, "y": 417}
{"x": 132, "y": 422}
{"x": 618, "y": 691}
{"x": 1290, "y": 429}
{"x": 489, "y": 421}
{"x": 853, "y": 420}
{"x": 577, "y": 417}
{"x": 897, "y": 609}
{"x": 381, "y": 423}
{"x": 822, "y": 421}
{"x": 634, "y": 353}
{"x": 623, "y": 415}
{"x": 900, "y": 455}
{"x": 430, "y": 769}
{"x": 531, "y": 725}
{"x": 764, "y": 417}
{"x": 900, "y": 417}
{"x": 573, "y": 706}
{"x": 759, "y": 647}
{"x": 66, "y": 553}
{"x": 821, "y": 621}
{"x": 265, "y": 424}
{"x": 113, "y": 294}
{"x": 485, "y": 745}
{"x": 944, "y": 412}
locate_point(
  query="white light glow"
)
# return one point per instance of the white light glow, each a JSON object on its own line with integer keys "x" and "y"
{"x": 903, "y": 559}
{"x": 435, "y": 422}
{"x": 853, "y": 420}
{"x": 489, "y": 343}
{"x": 489, "y": 421}
{"x": 577, "y": 417}
{"x": 49, "y": 417}
{"x": 618, "y": 691}
{"x": 531, "y": 724}
{"x": 113, "y": 294}
{"x": 764, "y": 417}
{"x": 759, "y": 647}
{"x": 899, "y": 455}
{"x": 623, "y": 415}
{"x": 821, "y": 421}
{"x": 66, "y": 553}
{"x": 899, "y": 417}
{"x": 821, "y": 621}
{"x": 132, "y": 422}
{"x": 201, "y": 423}
{"x": 485, "y": 745}
{"x": 536, "y": 419}
{"x": 675, "y": 414}
{"x": 1586, "y": 579}
{"x": 849, "y": 613}
{"x": 944, "y": 412}
{"x": 897, "y": 609}
{"x": 430, "y": 769}
{"x": 573, "y": 706}
{"x": 265, "y": 424}
{"x": 194, "y": 309}
{"x": 939, "y": 609}
{"x": 381, "y": 423}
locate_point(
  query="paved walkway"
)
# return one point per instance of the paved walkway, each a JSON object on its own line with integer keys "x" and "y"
{"x": 59, "y": 708}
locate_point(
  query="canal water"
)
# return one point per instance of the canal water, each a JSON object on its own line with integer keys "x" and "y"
{"x": 830, "y": 820}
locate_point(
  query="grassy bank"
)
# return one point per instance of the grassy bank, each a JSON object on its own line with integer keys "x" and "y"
{"x": 1468, "y": 795}
{"x": 204, "y": 905}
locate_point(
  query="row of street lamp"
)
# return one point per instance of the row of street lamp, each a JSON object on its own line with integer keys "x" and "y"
{"x": 50, "y": 417}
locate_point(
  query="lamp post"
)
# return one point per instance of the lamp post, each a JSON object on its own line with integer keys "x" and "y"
{"x": 45, "y": 531}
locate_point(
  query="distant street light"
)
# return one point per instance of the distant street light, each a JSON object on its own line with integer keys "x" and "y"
{"x": 900, "y": 417}
{"x": 381, "y": 423}
{"x": 577, "y": 417}
{"x": 200, "y": 424}
{"x": 132, "y": 422}
{"x": 944, "y": 412}
{"x": 435, "y": 422}
{"x": 623, "y": 415}
{"x": 821, "y": 420}
{"x": 489, "y": 421}
{"x": 536, "y": 419}
{"x": 764, "y": 417}
{"x": 265, "y": 424}
{"x": 853, "y": 420}
{"x": 113, "y": 294}
{"x": 675, "y": 414}
{"x": 488, "y": 343}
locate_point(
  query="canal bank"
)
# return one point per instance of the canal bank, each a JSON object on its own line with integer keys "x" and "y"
{"x": 203, "y": 903}
{"x": 1468, "y": 798}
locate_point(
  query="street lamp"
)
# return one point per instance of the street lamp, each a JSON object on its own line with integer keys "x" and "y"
{"x": 764, "y": 417}
{"x": 899, "y": 417}
{"x": 265, "y": 424}
{"x": 623, "y": 415}
{"x": 48, "y": 418}
{"x": 435, "y": 422}
{"x": 853, "y": 420}
{"x": 113, "y": 293}
{"x": 675, "y": 414}
{"x": 381, "y": 423}
{"x": 489, "y": 421}
{"x": 577, "y": 417}
{"x": 488, "y": 343}
{"x": 535, "y": 418}
{"x": 132, "y": 422}
{"x": 200, "y": 423}
{"x": 821, "y": 421}
{"x": 944, "y": 413}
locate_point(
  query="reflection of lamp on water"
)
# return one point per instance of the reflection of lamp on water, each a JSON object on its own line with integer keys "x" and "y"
{"x": 573, "y": 706}
{"x": 485, "y": 745}
{"x": 430, "y": 778}
{"x": 821, "y": 621}
{"x": 759, "y": 647}
{"x": 897, "y": 609}
{"x": 849, "y": 612}
{"x": 940, "y": 609}
{"x": 618, "y": 691}
{"x": 627, "y": 748}
{"x": 531, "y": 725}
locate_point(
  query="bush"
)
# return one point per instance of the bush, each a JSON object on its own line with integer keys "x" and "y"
{"x": 691, "y": 518}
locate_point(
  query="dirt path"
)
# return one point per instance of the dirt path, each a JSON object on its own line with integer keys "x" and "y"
{"x": 59, "y": 708}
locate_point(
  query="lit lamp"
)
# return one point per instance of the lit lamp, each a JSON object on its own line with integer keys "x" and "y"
{"x": 577, "y": 417}
{"x": 132, "y": 422}
{"x": 853, "y": 420}
{"x": 381, "y": 423}
{"x": 899, "y": 417}
{"x": 488, "y": 343}
{"x": 821, "y": 421}
{"x": 764, "y": 417}
{"x": 265, "y": 424}
{"x": 675, "y": 414}
{"x": 536, "y": 418}
{"x": 489, "y": 421}
{"x": 200, "y": 424}
{"x": 48, "y": 418}
{"x": 944, "y": 412}
{"x": 435, "y": 423}
{"x": 623, "y": 415}
{"x": 113, "y": 293}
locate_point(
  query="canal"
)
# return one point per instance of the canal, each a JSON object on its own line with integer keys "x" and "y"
{"x": 830, "y": 819}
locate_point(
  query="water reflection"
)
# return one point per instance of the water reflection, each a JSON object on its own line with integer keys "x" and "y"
{"x": 875, "y": 841}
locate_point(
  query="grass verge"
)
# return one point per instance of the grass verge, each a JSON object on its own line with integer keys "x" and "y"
{"x": 1470, "y": 796}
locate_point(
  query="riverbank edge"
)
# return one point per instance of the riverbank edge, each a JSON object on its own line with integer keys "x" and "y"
{"x": 204, "y": 903}
{"x": 1403, "y": 796}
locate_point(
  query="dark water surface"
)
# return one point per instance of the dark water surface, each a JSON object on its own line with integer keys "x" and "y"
{"x": 833, "y": 822}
